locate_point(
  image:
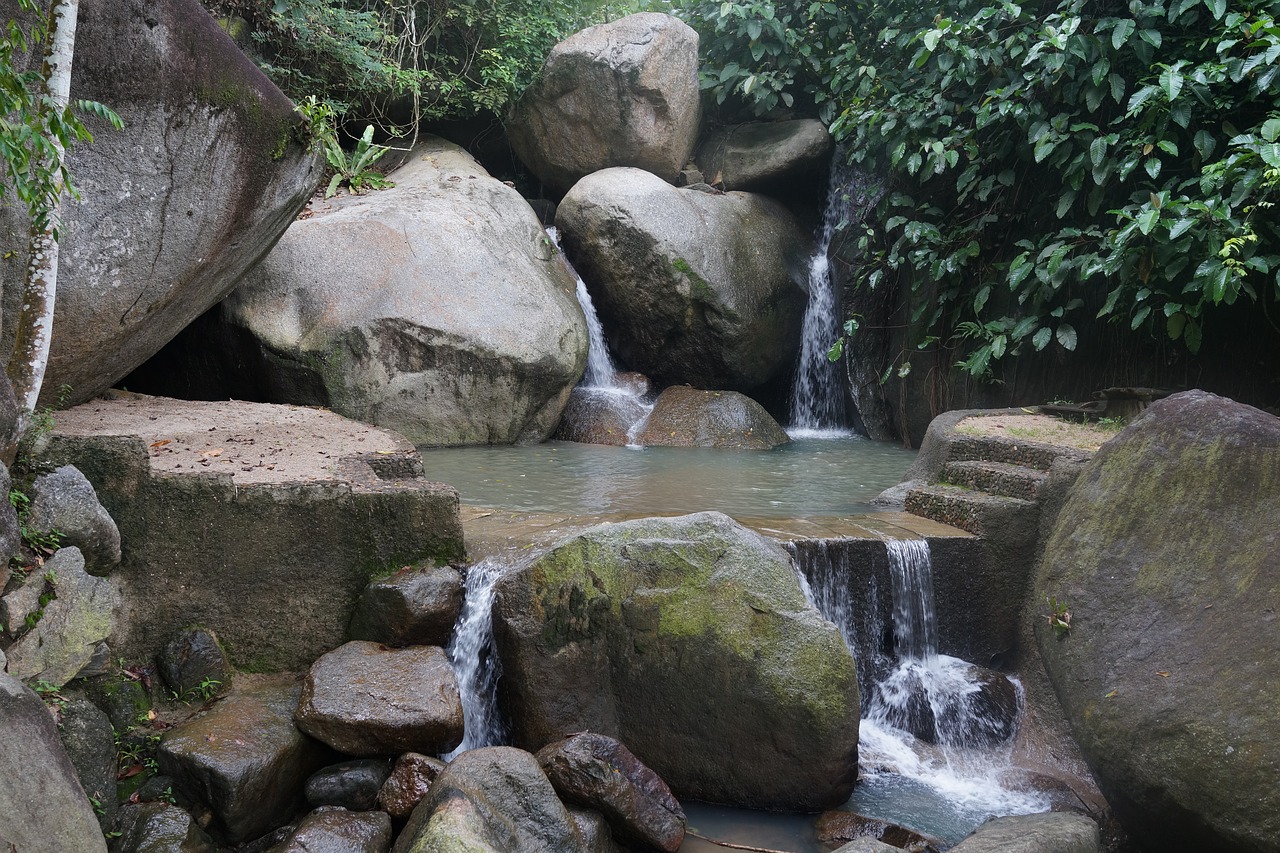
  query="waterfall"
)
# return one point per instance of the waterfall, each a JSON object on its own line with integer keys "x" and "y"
{"x": 475, "y": 661}
{"x": 915, "y": 625}
{"x": 817, "y": 398}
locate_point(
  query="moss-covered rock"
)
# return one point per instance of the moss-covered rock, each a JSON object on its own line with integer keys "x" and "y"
{"x": 689, "y": 640}
{"x": 1167, "y": 555}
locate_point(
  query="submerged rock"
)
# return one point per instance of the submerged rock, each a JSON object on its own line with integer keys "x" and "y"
{"x": 691, "y": 287}
{"x": 623, "y": 93}
{"x": 837, "y": 827}
{"x": 491, "y": 800}
{"x": 364, "y": 698}
{"x": 689, "y": 640}
{"x": 600, "y": 773}
{"x": 1167, "y": 555}
{"x": 688, "y": 417}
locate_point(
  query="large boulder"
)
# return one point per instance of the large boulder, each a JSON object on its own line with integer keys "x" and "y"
{"x": 1055, "y": 832}
{"x": 618, "y": 94}
{"x": 491, "y": 800}
{"x": 438, "y": 308}
{"x": 692, "y": 287}
{"x": 1167, "y": 557}
{"x": 764, "y": 156}
{"x": 688, "y": 417}
{"x": 689, "y": 640}
{"x": 42, "y": 806}
{"x": 209, "y": 171}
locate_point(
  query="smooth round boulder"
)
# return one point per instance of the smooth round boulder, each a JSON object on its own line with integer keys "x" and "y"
{"x": 766, "y": 156}
{"x": 689, "y": 640}
{"x": 335, "y": 830}
{"x": 352, "y": 785}
{"x": 364, "y": 698}
{"x": 688, "y": 417}
{"x": 1166, "y": 554}
{"x": 623, "y": 93}
{"x": 600, "y": 416}
{"x": 410, "y": 779}
{"x": 691, "y": 287}
{"x": 1056, "y": 832}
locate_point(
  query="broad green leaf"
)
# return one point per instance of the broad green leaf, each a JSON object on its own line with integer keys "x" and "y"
{"x": 1147, "y": 220}
{"x": 1217, "y": 8}
{"x": 1066, "y": 335}
{"x": 931, "y": 39}
{"x": 836, "y": 351}
{"x": 1152, "y": 165}
{"x": 1170, "y": 81}
{"x": 1180, "y": 227}
{"x": 1191, "y": 336}
{"x": 1097, "y": 151}
{"x": 980, "y": 299}
{"x": 1175, "y": 324}
{"x": 1042, "y": 338}
{"x": 998, "y": 344}
{"x": 1271, "y": 129}
{"x": 1205, "y": 143}
{"x": 1121, "y": 33}
{"x": 1140, "y": 317}
{"x": 1270, "y": 154}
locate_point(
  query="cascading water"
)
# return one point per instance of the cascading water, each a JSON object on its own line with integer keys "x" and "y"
{"x": 475, "y": 662}
{"x": 934, "y": 738}
{"x": 817, "y": 398}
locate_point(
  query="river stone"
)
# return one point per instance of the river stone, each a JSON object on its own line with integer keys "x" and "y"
{"x": 83, "y": 614}
{"x": 64, "y": 501}
{"x": 339, "y": 831}
{"x": 491, "y": 800}
{"x": 437, "y": 308}
{"x": 42, "y": 805}
{"x": 838, "y": 827}
{"x": 413, "y": 607}
{"x": 688, "y": 417}
{"x": 244, "y": 759}
{"x": 950, "y": 701}
{"x": 1054, "y": 832}
{"x": 623, "y": 93}
{"x": 600, "y": 416}
{"x": 410, "y": 779}
{"x": 194, "y": 665}
{"x": 766, "y": 156}
{"x": 866, "y": 845}
{"x": 154, "y": 827}
{"x": 1167, "y": 555}
{"x": 210, "y": 169}
{"x": 352, "y": 784}
{"x": 90, "y": 743}
{"x": 691, "y": 287}
{"x": 364, "y": 698}
{"x": 597, "y": 835}
{"x": 600, "y": 773}
{"x": 690, "y": 640}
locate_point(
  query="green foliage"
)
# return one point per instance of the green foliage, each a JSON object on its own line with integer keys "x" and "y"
{"x": 355, "y": 169}
{"x": 1059, "y": 616}
{"x": 1051, "y": 164}
{"x": 40, "y": 543}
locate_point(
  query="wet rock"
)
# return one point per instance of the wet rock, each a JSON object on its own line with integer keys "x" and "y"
{"x": 151, "y": 827}
{"x": 339, "y": 831}
{"x": 1037, "y": 833}
{"x": 618, "y": 94}
{"x": 688, "y": 639}
{"x": 597, "y": 835}
{"x": 491, "y": 800}
{"x": 413, "y": 607}
{"x": 90, "y": 743}
{"x": 600, "y": 416}
{"x": 687, "y": 417}
{"x": 211, "y": 167}
{"x": 1167, "y": 555}
{"x": 353, "y": 785}
{"x": 410, "y": 779}
{"x": 121, "y": 698}
{"x": 64, "y": 501}
{"x": 71, "y": 626}
{"x": 866, "y": 845}
{"x": 364, "y": 698}
{"x": 690, "y": 287}
{"x": 244, "y": 759}
{"x": 194, "y": 665}
{"x": 765, "y": 156}
{"x": 599, "y": 773}
{"x": 950, "y": 701}
{"x": 42, "y": 806}
{"x": 837, "y": 827}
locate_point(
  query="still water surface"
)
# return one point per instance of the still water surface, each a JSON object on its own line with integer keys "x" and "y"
{"x": 808, "y": 477}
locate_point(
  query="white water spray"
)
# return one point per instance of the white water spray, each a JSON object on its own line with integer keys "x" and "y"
{"x": 475, "y": 661}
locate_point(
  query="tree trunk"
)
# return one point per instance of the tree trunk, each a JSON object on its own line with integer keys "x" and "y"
{"x": 35, "y": 322}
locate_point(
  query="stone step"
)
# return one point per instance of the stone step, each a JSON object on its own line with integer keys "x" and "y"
{"x": 978, "y": 512}
{"x": 996, "y": 478}
{"x": 1011, "y": 451}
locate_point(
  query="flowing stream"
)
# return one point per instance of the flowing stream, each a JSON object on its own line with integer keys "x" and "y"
{"x": 475, "y": 661}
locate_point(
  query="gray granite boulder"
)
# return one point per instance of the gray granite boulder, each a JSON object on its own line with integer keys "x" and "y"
{"x": 364, "y": 698}
{"x": 491, "y": 800}
{"x": 208, "y": 172}
{"x": 64, "y": 502}
{"x": 339, "y": 831}
{"x": 413, "y": 607}
{"x": 691, "y": 287}
{"x": 600, "y": 416}
{"x": 764, "y": 156}
{"x": 1167, "y": 555}
{"x": 42, "y": 805}
{"x": 689, "y": 417}
{"x": 689, "y": 640}
{"x": 623, "y": 93}
{"x": 154, "y": 827}
{"x": 90, "y": 743}
{"x": 194, "y": 665}
{"x": 1055, "y": 832}
{"x": 244, "y": 760}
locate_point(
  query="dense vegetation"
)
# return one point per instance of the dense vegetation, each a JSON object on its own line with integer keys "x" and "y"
{"x": 1051, "y": 164}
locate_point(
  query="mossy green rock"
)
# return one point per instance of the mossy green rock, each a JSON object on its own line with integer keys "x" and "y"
{"x": 1167, "y": 555}
{"x": 689, "y": 640}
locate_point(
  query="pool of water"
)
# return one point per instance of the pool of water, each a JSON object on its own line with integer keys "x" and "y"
{"x": 808, "y": 477}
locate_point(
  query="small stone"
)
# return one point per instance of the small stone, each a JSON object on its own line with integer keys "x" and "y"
{"x": 352, "y": 784}
{"x": 339, "y": 831}
{"x": 413, "y": 607}
{"x": 194, "y": 665}
{"x": 408, "y": 783}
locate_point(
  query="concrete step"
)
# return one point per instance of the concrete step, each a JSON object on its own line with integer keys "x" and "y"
{"x": 980, "y": 513}
{"x": 996, "y": 478}
{"x": 1011, "y": 451}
